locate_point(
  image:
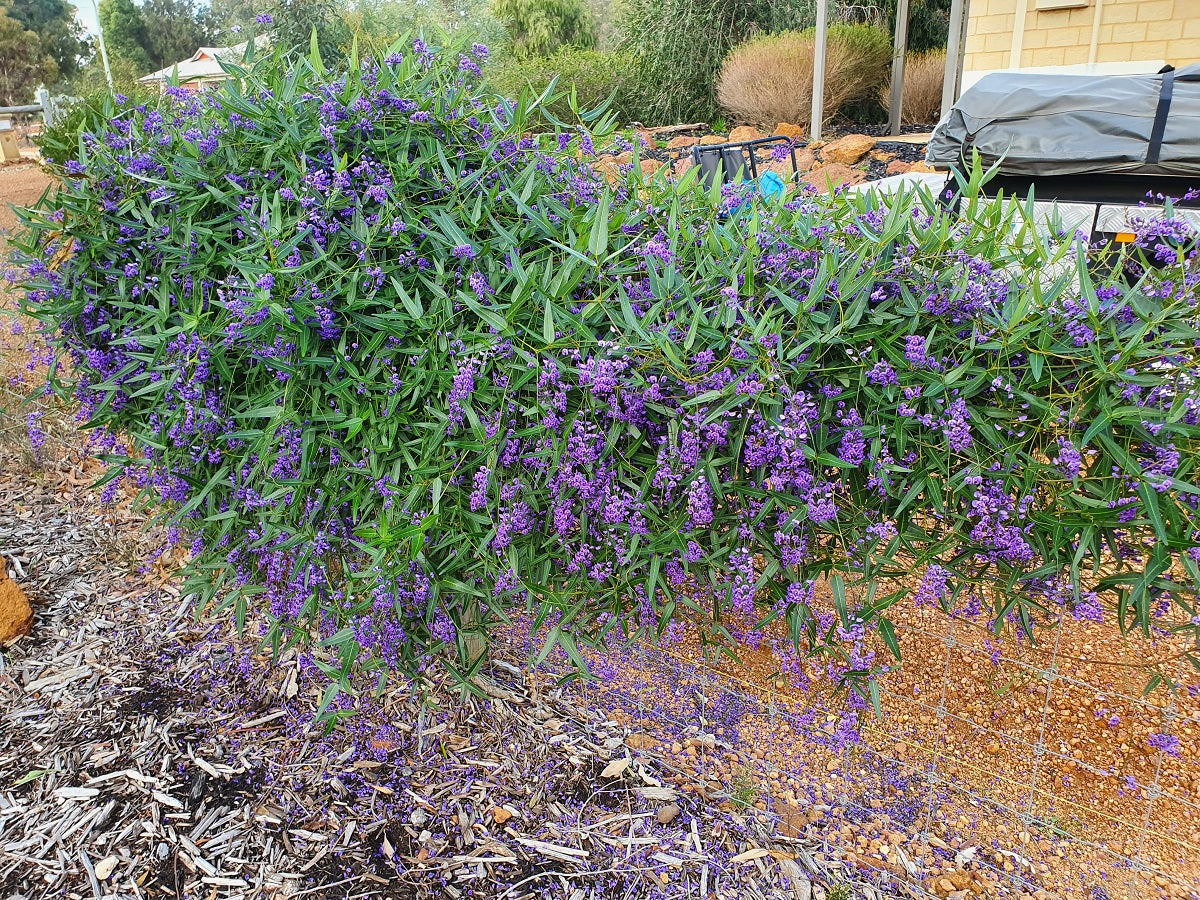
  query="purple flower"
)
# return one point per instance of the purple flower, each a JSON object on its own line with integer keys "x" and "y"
{"x": 1167, "y": 743}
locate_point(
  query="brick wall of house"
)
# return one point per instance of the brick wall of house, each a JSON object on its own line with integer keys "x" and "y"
{"x": 1131, "y": 32}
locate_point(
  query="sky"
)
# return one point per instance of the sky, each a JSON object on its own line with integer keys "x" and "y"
{"x": 85, "y": 12}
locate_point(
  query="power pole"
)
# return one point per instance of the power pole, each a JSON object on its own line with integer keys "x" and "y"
{"x": 103, "y": 48}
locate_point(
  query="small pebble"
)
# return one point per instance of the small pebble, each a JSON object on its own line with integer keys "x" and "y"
{"x": 668, "y": 814}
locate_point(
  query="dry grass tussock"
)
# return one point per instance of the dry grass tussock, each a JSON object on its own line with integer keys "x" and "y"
{"x": 770, "y": 79}
{"x": 923, "y": 77}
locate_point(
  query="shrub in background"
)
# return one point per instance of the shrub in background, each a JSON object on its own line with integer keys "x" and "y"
{"x": 592, "y": 75}
{"x": 542, "y": 27}
{"x": 378, "y": 24}
{"x": 770, "y": 79}
{"x": 924, "y": 74}
{"x": 396, "y": 372}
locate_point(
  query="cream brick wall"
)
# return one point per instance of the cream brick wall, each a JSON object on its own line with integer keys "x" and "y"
{"x": 1131, "y": 32}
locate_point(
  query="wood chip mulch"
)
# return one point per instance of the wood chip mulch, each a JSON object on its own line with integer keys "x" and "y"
{"x": 148, "y": 752}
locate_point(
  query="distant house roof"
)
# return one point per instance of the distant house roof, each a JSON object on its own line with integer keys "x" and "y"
{"x": 204, "y": 64}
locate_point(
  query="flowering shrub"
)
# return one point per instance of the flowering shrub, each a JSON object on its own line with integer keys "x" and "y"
{"x": 398, "y": 370}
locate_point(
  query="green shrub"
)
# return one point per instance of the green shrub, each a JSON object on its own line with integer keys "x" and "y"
{"x": 90, "y": 114}
{"x": 592, "y": 75}
{"x": 398, "y": 373}
{"x": 770, "y": 79}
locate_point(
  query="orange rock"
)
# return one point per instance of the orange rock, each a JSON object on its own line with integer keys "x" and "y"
{"x": 897, "y": 167}
{"x": 921, "y": 166}
{"x": 833, "y": 176}
{"x": 609, "y": 167}
{"x": 681, "y": 165}
{"x": 712, "y": 139}
{"x": 16, "y": 617}
{"x": 849, "y": 149}
{"x": 788, "y": 130}
{"x": 677, "y": 143}
{"x": 650, "y": 166}
{"x": 746, "y": 133}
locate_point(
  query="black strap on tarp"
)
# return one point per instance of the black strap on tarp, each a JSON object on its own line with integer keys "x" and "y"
{"x": 1160, "y": 117}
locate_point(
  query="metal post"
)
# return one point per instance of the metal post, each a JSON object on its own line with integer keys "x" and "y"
{"x": 899, "y": 49}
{"x": 103, "y": 48}
{"x": 954, "y": 41}
{"x": 818, "y": 97}
{"x": 962, "y": 48}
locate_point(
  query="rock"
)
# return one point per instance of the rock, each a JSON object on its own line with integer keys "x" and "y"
{"x": 746, "y": 133}
{"x": 788, "y": 130}
{"x": 681, "y": 165}
{"x": 712, "y": 139}
{"x": 897, "y": 167}
{"x": 500, "y": 815}
{"x": 881, "y": 155}
{"x": 677, "y": 143}
{"x": 417, "y": 818}
{"x": 849, "y": 149}
{"x": 921, "y": 166}
{"x": 945, "y": 885}
{"x": 668, "y": 814}
{"x": 650, "y": 166}
{"x": 833, "y": 176}
{"x": 105, "y": 868}
{"x": 609, "y": 168}
{"x": 16, "y": 616}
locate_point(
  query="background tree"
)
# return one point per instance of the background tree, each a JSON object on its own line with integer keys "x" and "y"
{"x": 231, "y": 18}
{"x": 294, "y": 21}
{"x": 23, "y": 62}
{"x": 60, "y": 35}
{"x": 928, "y": 24}
{"x": 679, "y": 46}
{"x": 175, "y": 28}
{"x": 540, "y": 27}
{"x": 125, "y": 33}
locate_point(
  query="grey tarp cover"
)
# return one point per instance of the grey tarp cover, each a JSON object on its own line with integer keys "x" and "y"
{"x": 1072, "y": 124}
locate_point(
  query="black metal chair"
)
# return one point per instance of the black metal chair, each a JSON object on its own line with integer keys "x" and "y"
{"x": 731, "y": 161}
